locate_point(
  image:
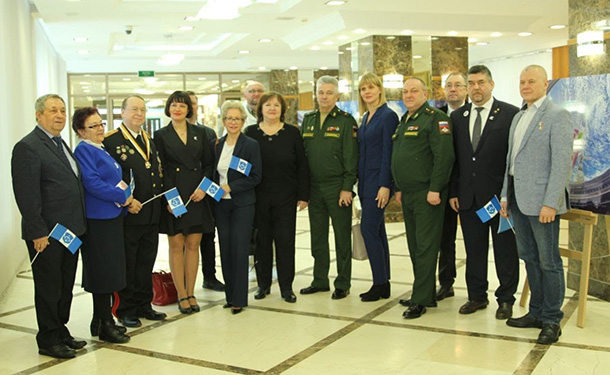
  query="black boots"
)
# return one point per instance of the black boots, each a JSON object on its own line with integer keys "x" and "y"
{"x": 94, "y": 327}
{"x": 376, "y": 292}
{"x": 108, "y": 331}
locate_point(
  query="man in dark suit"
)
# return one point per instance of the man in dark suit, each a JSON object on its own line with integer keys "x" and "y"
{"x": 48, "y": 191}
{"x": 481, "y": 142}
{"x": 207, "y": 247}
{"x": 535, "y": 191}
{"x": 133, "y": 148}
{"x": 455, "y": 95}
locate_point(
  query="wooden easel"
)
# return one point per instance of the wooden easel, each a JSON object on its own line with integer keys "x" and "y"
{"x": 589, "y": 219}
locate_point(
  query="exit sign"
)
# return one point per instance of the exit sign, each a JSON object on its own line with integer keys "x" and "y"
{"x": 146, "y": 73}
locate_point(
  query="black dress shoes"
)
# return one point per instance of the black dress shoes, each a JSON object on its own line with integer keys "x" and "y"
{"x": 109, "y": 333}
{"x": 94, "y": 327}
{"x": 214, "y": 284}
{"x": 443, "y": 292}
{"x": 526, "y": 321}
{"x": 472, "y": 306}
{"x": 407, "y": 303}
{"x": 289, "y": 296}
{"x": 550, "y": 333}
{"x": 236, "y": 310}
{"x": 262, "y": 293}
{"x": 58, "y": 351}
{"x": 313, "y": 289}
{"x": 227, "y": 305}
{"x": 376, "y": 292}
{"x": 71, "y": 343}
{"x": 130, "y": 321}
{"x": 505, "y": 311}
{"x": 152, "y": 315}
{"x": 340, "y": 293}
{"x": 414, "y": 312}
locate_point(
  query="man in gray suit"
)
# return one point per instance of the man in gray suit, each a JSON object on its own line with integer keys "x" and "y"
{"x": 48, "y": 190}
{"x": 535, "y": 193}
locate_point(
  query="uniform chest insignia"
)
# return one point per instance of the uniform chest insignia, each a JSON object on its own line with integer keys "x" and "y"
{"x": 195, "y": 137}
{"x": 443, "y": 127}
{"x": 491, "y": 118}
{"x": 333, "y": 135}
{"x": 466, "y": 113}
{"x": 132, "y": 151}
{"x": 497, "y": 110}
{"x": 333, "y": 129}
{"x": 123, "y": 157}
{"x": 394, "y": 136}
{"x": 416, "y": 116}
{"x": 413, "y": 128}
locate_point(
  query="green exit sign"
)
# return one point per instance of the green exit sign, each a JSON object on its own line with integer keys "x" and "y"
{"x": 146, "y": 73}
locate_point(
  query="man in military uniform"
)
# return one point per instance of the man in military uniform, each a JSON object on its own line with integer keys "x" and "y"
{"x": 422, "y": 159}
{"x": 133, "y": 148}
{"x": 329, "y": 136}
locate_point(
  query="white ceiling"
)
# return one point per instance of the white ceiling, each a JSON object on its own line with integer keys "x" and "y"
{"x": 294, "y": 25}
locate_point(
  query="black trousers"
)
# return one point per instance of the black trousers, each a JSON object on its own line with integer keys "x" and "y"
{"x": 446, "y": 259}
{"x": 234, "y": 230}
{"x": 54, "y": 272}
{"x": 476, "y": 240}
{"x": 208, "y": 255}
{"x": 276, "y": 222}
{"x": 141, "y": 244}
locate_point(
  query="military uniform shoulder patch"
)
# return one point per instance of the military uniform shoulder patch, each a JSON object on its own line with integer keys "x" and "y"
{"x": 311, "y": 113}
{"x": 108, "y": 134}
{"x": 443, "y": 127}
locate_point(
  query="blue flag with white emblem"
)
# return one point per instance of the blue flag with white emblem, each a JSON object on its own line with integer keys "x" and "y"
{"x": 175, "y": 202}
{"x": 240, "y": 165}
{"x": 212, "y": 189}
{"x": 490, "y": 210}
{"x": 66, "y": 237}
{"x": 506, "y": 224}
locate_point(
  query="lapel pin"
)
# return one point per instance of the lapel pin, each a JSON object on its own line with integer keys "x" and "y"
{"x": 466, "y": 113}
{"x": 540, "y": 125}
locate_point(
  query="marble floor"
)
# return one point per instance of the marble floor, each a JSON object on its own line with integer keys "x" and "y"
{"x": 316, "y": 335}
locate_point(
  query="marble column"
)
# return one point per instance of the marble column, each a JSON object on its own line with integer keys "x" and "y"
{"x": 286, "y": 82}
{"x": 448, "y": 55}
{"x": 583, "y": 16}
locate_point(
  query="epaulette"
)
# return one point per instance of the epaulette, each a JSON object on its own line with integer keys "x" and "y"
{"x": 108, "y": 134}
{"x": 311, "y": 113}
{"x": 429, "y": 111}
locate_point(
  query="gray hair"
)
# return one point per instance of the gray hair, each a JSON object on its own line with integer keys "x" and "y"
{"x": 538, "y": 68}
{"x": 328, "y": 79}
{"x": 41, "y": 103}
{"x": 124, "y": 104}
{"x": 457, "y": 74}
{"x": 232, "y": 104}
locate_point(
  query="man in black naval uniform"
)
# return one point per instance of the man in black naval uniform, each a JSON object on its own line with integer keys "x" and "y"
{"x": 133, "y": 148}
{"x": 329, "y": 137}
{"x": 422, "y": 159}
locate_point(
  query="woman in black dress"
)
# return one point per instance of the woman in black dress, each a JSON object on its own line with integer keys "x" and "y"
{"x": 186, "y": 158}
{"x": 284, "y": 187}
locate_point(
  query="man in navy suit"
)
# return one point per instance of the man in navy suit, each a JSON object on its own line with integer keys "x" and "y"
{"x": 481, "y": 143}
{"x": 48, "y": 191}
{"x": 535, "y": 193}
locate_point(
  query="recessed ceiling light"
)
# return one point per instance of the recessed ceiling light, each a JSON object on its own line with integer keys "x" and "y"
{"x": 80, "y": 39}
{"x": 557, "y": 27}
{"x": 83, "y": 52}
{"x": 328, "y": 43}
{"x": 244, "y": 52}
{"x": 261, "y": 68}
{"x": 265, "y": 40}
{"x": 417, "y": 56}
{"x": 360, "y": 31}
{"x": 472, "y": 40}
{"x": 186, "y": 28}
{"x": 191, "y": 18}
{"x": 323, "y": 67}
{"x": 482, "y": 43}
{"x": 293, "y": 68}
{"x": 314, "y": 48}
{"x": 406, "y": 32}
{"x": 342, "y": 37}
{"x": 202, "y": 78}
{"x": 335, "y": 3}
{"x": 452, "y": 33}
{"x": 525, "y": 33}
{"x": 495, "y": 34}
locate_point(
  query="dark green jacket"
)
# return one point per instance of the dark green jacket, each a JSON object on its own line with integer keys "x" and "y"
{"x": 332, "y": 150}
{"x": 422, "y": 155}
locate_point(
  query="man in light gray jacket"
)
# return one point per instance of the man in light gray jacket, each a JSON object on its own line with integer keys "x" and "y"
{"x": 535, "y": 193}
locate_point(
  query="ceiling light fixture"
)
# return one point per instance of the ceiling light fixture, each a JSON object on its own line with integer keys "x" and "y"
{"x": 328, "y": 43}
{"x": 407, "y": 32}
{"x": 417, "y": 56}
{"x": 342, "y": 37}
{"x": 452, "y": 33}
{"x": 482, "y": 43}
{"x": 525, "y": 33}
{"x": 293, "y": 68}
{"x": 314, "y": 48}
{"x": 590, "y": 43}
{"x": 557, "y": 27}
{"x": 335, "y": 3}
{"x": 324, "y": 68}
{"x": 472, "y": 40}
{"x": 360, "y": 31}
{"x": 495, "y": 34}
{"x": 261, "y": 68}
{"x": 80, "y": 39}
{"x": 244, "y": 52}
{"x": 265, "y": 40}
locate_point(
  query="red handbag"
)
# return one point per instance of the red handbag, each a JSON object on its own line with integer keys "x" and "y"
{"x": 164, "y": 290}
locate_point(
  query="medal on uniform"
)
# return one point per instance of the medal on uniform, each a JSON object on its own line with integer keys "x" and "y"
{"x": 145, "y": 155}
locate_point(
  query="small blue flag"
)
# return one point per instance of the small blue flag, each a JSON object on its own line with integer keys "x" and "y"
{"x": 490, "y": 210}
{"x": 212, "y": 189}
{"x": 175, "y": 202}
{"x": 66, "y": 237}
{"x": 240, "y": 165}
{"x": 506, "y": 224}
{"x": 132, "y": 182}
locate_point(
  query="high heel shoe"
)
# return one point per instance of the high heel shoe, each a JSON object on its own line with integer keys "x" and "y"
{"x": 109, "y": 333}
{"x": 194, "y": 307}
{"x": 262, "y": 293}
{"x": 94, "y": 327}
{"x": 184, "y": 310}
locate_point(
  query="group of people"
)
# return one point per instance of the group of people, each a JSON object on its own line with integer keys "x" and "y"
{"x": 438, "y": 163}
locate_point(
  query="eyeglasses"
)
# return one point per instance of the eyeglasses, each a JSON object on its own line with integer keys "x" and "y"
{"x": 233, "y": 119}
{"x": 456, "y": 86}
{"x": 95, "y": 126}
{"x": 259, "y": 91}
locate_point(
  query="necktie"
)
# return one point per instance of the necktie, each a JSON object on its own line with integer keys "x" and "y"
{"x": 476, "y": 130}
{"x": 60, "y": 146}
{"x": 141, "y": 142}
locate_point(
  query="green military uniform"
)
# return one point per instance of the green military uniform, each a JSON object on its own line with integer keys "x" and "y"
{"x": 422, "y": 160}
{"x": 332, "y": 152}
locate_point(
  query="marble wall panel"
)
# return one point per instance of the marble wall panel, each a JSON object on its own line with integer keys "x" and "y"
{"x": 449, "y": 54}
{"x": 581, "y": 15}
{"x": 286, "y": 82}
